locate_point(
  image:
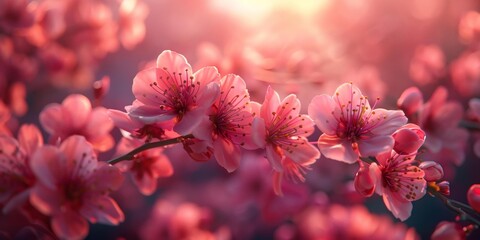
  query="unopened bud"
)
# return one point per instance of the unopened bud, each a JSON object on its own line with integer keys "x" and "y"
{"x": 433, "y": 171}
{"x": 444, "y": 188}
{"x": 408, "y": 139}
{"x": 473, "y": 197}
{"x": 364, "y": 183}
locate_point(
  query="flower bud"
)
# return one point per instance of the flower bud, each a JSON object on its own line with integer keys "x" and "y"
{"x": 410, "y": 101}
{"x": 444, "y": 188}
{"x": 408, "y": 139}
{"x": 473, "y": 197}
{"x": 364, "y": 183}
{"x": 433, "y": 171}
{"x": 448, "y": 231}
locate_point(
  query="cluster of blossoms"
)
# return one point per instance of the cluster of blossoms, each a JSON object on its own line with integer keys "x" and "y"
{"x": 61, "y": 42}
{"x": 250, "y": 148}
{"x": 212, "y": 117}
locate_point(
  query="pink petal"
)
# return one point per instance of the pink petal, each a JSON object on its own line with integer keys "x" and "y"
{"x": 190, "y": 121}
{"x": 143, "y": 88}
{"x": 320, "y": 110}
{"x": 47, "y": 201}
{"x": 375, "y": 145}
{"x": 410, "y": 101}
{"x": 227, "y": 154}
{"x": 99, "y": 122}
{"x": 162, "y": 167}
{"x": 47, "y": 164}
{"x": 173, "y": 62}
{"x": 102, "y": 143}
{"x": 78, "y": 108}
{"x": 103, "y": 210}
{"x": 30, "y": 138}
{"x": 146, "y": 184}
{"x": 337, "y": 149}
{"x": 376, "y": 174}
{"x": 347, "y": 94}
{"x": 439, "y": 97}
{"x": 209, "y": 94}
{"x": 16, "y": 201}
{"x": 105, "y": 178}
{"x": 69, "y": 225}
{"x": 304, "y": 154}
{"x": 274, "y": 157}
{"x": 259, "y": 132}
{"x": 123, "y": 121}
{"x": 400, "y": 208}
{"x": 204, "y": 130}
{"x": 79, "y": 156}
{"x": 270, "y": 105}
{"x": 52, "y": 118}
{"x": 448, "y": 116}
{"x": 150, "y": 114}
{"x": 277, "y": 183}
{"x": 390, "y": 121}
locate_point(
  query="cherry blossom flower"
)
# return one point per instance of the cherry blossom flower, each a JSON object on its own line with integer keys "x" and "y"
{"x": 132, "y": 28}
{"x": 76, "y": 116}
{"x": 427, "y": 65}
{"x": 146, "y": 167}
{"x": 283, "y": 132}
{"x": 229, "y": 125}
{"x": 399, "y": 181}
{"x": 469, "y": 28}
{"x": 136, "y": 128}
{"x": 16, "y": 177}
{"x": 339, "y": 222}
{"x": 73, "y": 187}
{"x": 440, "y": 119}
{"x": 172, "y": 92}
{"x": 466, "y": 74}
{"x": 351, "y": 128}
{"x": 433, "y": 171}
{"x": 409, "y": 138}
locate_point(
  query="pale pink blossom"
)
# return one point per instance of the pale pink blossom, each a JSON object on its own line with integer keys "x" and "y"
{"x": 448, "y": 231}
{"x": 73, "y": 187}
{"x": 76, "y": 116}
{"x": 399, "y": 181}
{"x": 146, "y": 167}
{"x": 136, "y": 128}
{"x": 427, "y": 65}
{"x": 341, "y": 222}
{"x": 16, "y": 177}
{"x": 172, "y": 92}
{"x": 473, "y": 197}
{"x": 283, "y": 132}
{"x": 465, "y": 74}
{"x": 351, "y": 128}
{"x": 439, "y": 118}
{"x": 229, "y": 125}
{"x": 469, "y": 28}
{"x": 132, "y": 27}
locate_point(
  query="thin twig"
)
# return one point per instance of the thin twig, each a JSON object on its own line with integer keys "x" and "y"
{"x": 146, "y": 146}
{"x": 449, "y": 204}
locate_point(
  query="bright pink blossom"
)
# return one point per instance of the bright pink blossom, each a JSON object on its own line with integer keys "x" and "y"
{"x": 172, "y": 92}
{"x": 283, "y": 132}
{"x": 473, "y": 197}
{"x": 399, "y": 181}
{"x": 229, "y": 125}
{"x": 16, "y": 177}
{"x": 73, "y": 187}
{"x": 351, "y": 128}
{"x": 76, "y": 116}
{"x": 145, "y": 167}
